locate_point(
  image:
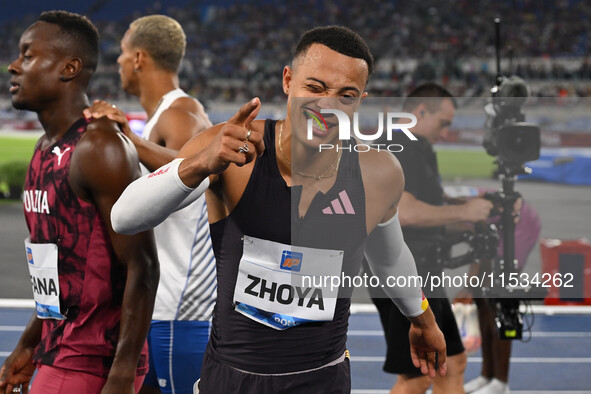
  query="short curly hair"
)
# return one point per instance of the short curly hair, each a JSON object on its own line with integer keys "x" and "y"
{"x": 80, "y": 31}
{"x": 340, "y": 39}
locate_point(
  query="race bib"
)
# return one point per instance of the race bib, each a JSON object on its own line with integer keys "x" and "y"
{"x": 42, "y": 262}
{"x": 274, "y": 283}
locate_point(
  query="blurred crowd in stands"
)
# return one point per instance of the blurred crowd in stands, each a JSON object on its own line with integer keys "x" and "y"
{"x": 237, "y": 50}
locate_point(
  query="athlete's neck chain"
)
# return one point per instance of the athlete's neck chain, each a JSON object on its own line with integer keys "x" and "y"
{"x": 330, "y": 171}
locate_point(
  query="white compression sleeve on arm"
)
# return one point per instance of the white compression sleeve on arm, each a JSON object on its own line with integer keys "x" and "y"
{"x": 147, "y": 201}
{"x": 389, "y": 256}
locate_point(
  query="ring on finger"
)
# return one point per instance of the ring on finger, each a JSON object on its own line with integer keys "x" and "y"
{"x": 243, "y": 148}
{"x": 248, "y": 135}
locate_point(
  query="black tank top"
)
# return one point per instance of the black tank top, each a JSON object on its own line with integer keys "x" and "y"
{"x": 268, "y": 210}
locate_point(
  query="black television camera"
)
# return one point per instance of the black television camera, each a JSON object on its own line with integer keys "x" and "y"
{"x": 509, "y": 138}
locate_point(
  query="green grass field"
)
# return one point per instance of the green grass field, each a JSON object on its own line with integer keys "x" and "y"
{"x": 15, "y": 153}
{"x": 452, "y": 163}
{"x": 467, "y": 164}
{"x": 16, "y": 148}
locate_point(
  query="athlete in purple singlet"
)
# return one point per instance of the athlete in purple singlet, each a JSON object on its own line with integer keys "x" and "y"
{"x": 94, "y": 289}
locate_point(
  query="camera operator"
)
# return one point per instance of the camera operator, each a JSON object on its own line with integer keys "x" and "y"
{"x": 423, "y": 214}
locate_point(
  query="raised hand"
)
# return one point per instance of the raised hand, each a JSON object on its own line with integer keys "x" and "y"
{"x": 236, "y": 141}
{"x": 100, "y": 108}
{"x": 232, "y": 142}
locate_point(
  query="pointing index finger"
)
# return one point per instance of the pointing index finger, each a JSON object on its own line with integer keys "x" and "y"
{"x": 247, "y": 113}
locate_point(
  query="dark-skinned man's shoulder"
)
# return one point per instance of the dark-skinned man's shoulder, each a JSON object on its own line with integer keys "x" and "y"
{"x": 104, "y": 134}
{"x": 103, "y": 154}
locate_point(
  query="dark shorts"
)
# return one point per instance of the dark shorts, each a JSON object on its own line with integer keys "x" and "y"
{"x": 219, "y": 378}
{"x": 396, "y": 327}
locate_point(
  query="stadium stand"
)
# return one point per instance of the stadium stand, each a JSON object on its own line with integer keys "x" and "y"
{"x": 235, "y": 48}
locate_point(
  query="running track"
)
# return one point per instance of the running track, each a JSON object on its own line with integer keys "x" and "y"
{"x": 557, "y": 359}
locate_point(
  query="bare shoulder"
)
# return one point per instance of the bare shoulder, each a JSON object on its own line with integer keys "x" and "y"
{"x": 381, "y": 168}
{"x": 383, "y": 180}
{"x": 104, "y": 155}
{"x": 188, "y": 104}
{"x": 102, "y": 135}
{"x": 185, "y": 113}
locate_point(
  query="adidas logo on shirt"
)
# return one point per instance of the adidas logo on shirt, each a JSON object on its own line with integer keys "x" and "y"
{"x": 340, "y": 206}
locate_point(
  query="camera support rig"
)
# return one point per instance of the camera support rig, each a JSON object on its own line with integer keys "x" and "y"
{"x": 513, "y": 142}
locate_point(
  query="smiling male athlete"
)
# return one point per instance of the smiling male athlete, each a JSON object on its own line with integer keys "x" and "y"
{"x": 269, "y": 220}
